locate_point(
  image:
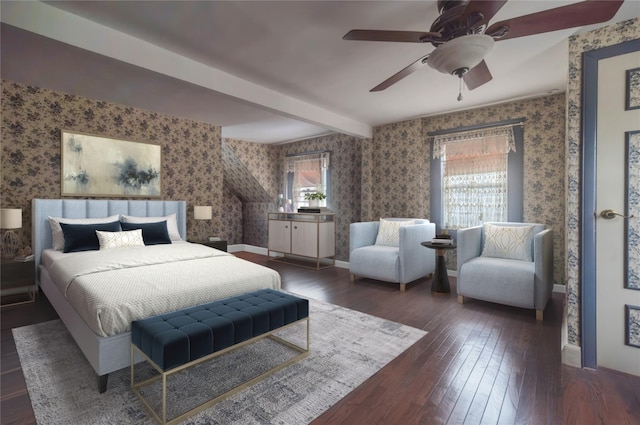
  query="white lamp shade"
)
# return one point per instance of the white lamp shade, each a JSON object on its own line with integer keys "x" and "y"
{"x": 202, "y": 212}
{"x": 462, "y": 52}
{"x": 10, "y": 218}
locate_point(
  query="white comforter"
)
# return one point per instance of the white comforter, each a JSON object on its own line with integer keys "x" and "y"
{"x": 111, "y": 288}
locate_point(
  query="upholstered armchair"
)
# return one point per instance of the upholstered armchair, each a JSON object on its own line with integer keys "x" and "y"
{"x": 390, "y": 250}
{"x": 506, "y": 263}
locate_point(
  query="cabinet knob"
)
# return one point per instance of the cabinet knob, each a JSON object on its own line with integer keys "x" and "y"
{"x": 295, "y": 227}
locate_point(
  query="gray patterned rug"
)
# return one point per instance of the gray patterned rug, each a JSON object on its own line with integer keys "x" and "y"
{"x": 347, "y": 347}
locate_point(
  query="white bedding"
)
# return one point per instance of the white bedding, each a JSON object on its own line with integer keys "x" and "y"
{"x": 111, "y": 288}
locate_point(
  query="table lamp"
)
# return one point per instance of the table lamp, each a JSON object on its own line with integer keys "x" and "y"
{"x": 202, "y": 213}
{"x": 10, "y": 218}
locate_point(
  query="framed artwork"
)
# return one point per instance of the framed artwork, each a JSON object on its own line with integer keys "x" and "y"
{"x": 632, "y": 325}
{"x": 101, "y": 166}
{"x": 632, "y": 209}
{"x": 632, "y": 89}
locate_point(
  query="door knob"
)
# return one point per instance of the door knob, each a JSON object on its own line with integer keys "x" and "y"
{"x": 610, "y": 214}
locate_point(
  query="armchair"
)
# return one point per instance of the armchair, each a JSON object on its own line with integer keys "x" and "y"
{"x": 402, "y": 263}
{"x": 485, "y": 274}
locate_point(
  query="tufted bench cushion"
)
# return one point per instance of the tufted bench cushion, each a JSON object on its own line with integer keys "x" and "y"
{"x": 180, "y": 337}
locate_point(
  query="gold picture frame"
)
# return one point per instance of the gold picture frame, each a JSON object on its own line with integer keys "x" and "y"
{"x": 93, "y": 165}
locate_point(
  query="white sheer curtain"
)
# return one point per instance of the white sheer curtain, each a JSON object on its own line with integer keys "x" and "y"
{"x": 474, "y": 175}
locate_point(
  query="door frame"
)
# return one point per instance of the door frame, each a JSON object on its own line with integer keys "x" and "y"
{"x": 590, "y": 61}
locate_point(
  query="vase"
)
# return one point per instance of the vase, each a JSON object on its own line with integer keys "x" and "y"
{"x": 314, "y": 203}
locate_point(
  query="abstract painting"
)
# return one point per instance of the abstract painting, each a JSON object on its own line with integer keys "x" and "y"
{"x": 101, "y": 166}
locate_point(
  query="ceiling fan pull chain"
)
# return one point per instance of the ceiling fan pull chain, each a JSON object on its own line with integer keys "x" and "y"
{"x": 460, "y": 90}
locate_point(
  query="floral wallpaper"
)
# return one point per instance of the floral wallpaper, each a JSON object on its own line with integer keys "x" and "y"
{"x": 32, "y": 120}
{"x": 256, "y": 186}
{"x": 397, "y": 171}
{"x": 578, "y": 44}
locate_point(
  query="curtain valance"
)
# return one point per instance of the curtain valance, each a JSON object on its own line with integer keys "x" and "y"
{"x": 308, "y": 162}
{"x": 490, "y": 141}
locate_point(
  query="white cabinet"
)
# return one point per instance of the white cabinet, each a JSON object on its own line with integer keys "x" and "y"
{"x": 303, "y": 235}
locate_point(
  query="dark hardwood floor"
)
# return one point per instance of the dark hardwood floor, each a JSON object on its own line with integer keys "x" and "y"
{"x": 480, "y": 363}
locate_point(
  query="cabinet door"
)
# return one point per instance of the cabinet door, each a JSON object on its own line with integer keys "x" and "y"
{"x": 280, "y": 236}
{"x": 304, "y": 239}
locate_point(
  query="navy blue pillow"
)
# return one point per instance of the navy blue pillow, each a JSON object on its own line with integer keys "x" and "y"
{"x": 152, "y": 233}
{"x": 83, "y": 237}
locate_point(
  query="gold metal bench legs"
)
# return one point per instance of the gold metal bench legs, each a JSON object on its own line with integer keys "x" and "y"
{"x": 163, "y": 375}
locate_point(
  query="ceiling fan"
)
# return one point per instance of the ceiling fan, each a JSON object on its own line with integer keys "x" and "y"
{"x": 463, "y": 37}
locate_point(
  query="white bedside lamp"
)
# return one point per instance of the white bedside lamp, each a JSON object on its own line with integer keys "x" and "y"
{"x": 202, "y": 213}
{"x": 10, "y": 218}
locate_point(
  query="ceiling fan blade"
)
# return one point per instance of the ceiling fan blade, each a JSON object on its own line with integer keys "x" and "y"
{"x": 401, "y": 36}
{"x": 477, "y": 76}
{"x": 488, "y": 8}
{"x": 574, "y": 15}
{"x": 401, "y": 74}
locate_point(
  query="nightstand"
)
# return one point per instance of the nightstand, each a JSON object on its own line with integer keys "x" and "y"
{"x": 17, "y": 282}
{"x": 221, "y": 245}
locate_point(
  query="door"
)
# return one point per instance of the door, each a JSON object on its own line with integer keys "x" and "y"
{"x": 618, "y": 134}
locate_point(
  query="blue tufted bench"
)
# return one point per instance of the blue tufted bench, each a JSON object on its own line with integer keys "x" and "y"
{"x": 175, "y": 341}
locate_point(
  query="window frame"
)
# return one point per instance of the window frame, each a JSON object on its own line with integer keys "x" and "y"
{"x": 325, "y": 177}
{"x": 515, "y": 182}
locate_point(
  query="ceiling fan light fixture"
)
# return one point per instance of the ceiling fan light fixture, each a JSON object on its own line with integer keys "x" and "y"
{"x": 460, "y": 53}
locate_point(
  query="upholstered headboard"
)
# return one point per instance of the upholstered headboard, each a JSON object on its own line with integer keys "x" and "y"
{"x": 42, "y": 209}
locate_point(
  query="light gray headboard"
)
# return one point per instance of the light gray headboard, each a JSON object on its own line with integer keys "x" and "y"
{"x": 41, "y": 209}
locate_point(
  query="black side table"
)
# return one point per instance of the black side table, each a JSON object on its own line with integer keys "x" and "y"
{"x": 17, "y": 282}
{"x": 440, "y": 283}
{"x": 221, "y": 245}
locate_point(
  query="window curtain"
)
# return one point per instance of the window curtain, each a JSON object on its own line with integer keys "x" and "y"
{"x": 474, "y": 175}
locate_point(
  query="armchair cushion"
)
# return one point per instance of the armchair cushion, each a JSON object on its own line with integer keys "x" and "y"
{"x": 509, "y": 242}
{"x": 389, "y": 232}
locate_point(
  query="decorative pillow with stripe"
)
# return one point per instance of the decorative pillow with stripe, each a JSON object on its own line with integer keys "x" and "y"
{"x": 110, "y": 240}
{"x": 510, "y": 242}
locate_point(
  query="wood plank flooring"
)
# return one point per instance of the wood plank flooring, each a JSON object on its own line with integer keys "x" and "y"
{"x": 480, "y": 363}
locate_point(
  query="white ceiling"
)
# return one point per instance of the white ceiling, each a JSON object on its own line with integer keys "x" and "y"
{"x": 266, "y": 71}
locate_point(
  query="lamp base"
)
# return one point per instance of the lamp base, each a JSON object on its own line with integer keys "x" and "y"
{"x": 10, "y": 243}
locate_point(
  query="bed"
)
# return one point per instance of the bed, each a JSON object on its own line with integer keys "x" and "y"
{"x": 150, "y": 272}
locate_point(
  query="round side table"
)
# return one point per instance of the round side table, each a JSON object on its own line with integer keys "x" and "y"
{"x": 440, "y": 283}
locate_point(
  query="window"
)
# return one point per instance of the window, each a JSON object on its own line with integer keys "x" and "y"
{"x": 478, "y": 177}
{"x": 306, "y": 173}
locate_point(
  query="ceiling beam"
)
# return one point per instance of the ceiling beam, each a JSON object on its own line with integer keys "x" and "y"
{"x": 65, "y": 27}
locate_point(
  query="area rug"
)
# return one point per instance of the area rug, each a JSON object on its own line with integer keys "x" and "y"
{"x": 347, "y": 347}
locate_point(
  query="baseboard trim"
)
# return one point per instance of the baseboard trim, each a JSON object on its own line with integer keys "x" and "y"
{"x": 572, "y": 355}
{"x": 263, "y": 251}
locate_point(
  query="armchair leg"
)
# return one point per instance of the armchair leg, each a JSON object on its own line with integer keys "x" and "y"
{"x": 460, "y": 299}
{"x": 403, "y": 286}
{"x": 539, "y": 314}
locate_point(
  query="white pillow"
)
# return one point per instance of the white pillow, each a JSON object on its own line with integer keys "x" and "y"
{"x": 389, "y": 232}
{"x": 56, "y": 230}
{"x": 511, "y": 242}
{"x": 110, "y": 240}
{"x": 172, "y": 223}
